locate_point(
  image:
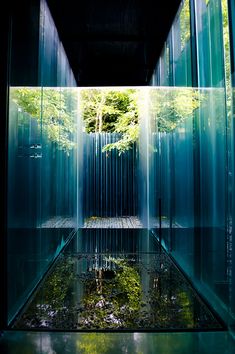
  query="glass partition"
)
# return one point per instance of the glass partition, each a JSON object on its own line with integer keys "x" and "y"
{"x": 167, "y": 170}
{"x": 174, "y": 67}
{"x": 231, "y": 45}
{"x": 42, "y": 152}
{"x": 191, "y": 181}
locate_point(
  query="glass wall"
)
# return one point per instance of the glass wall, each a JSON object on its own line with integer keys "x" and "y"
{"x": 110, "y": 178}
{"x": 186, "y": 150}
{"x": 42, "y": 151}
{"x": 191, "y": 148}
{"x": 232, "y": 137}
{"x": 175, "y": 63}
{"x": 209, "y": 40}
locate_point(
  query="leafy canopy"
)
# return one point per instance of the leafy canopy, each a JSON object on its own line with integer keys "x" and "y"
{"x": 54, "y": 109}
{"x": 113, "y": 111}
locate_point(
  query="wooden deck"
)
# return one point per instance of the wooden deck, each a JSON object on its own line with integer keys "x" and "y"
{"x": 120, "y": 222}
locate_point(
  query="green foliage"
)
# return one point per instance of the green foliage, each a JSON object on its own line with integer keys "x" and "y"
{"x": 54, "y": 110}
{"x": 128, "y": 294}
{"x": 106, "y": 343}
{"x": 185, "y": 24}
{"x": 171, "y": 107}
{"x": 58, "y": 283}
{"x": 106, "y": 110}
{"x": 93, "y": 343}
{"x": 103, "y": 111}
{"x": 227, "y": 63}
{"x": 126, "y": 142}
{"x": 171, "y": 302}
{"x": 115, "y": 303}
{"x": 127, "y": 281}
{"x": 49, "y": 304}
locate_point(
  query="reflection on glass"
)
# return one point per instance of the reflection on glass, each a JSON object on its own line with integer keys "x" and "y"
{"x": 42, "y": 151}
{"x": 190, "y": 150}
{"x": 42, "y": 201}
{"x": 176, "y": 143}
{"x": 175, "y": 64}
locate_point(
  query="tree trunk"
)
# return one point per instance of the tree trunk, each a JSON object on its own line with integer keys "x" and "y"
{"x": 99, "y": 115}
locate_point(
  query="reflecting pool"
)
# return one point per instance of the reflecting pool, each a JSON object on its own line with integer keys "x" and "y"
{"x": 123, "y": 282}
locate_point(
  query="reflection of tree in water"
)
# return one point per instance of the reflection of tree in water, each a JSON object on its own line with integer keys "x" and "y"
{"x": 113, "y": 298}
{"x": 95, "y": 343}
{"x": 126, "y": 294}
{"x": 117, "y": 299}
{"x": 50, "y": 307}
{"x": 170, "y": 300}
{"x": 105, "y": 343}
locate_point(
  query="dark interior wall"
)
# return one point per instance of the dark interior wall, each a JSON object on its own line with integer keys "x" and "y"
{"x": 25, "y": 17}
{"x": 5, "y": 30}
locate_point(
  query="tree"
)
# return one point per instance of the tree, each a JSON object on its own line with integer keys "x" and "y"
{"x": 112, "y": 298}
{"x": 185, "y": 24}
{"x": 54, "y": 109}
{"x": 106, "y": 110}
{"x": 169, "y": 108}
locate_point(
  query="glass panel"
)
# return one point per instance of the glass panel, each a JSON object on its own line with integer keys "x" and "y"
{"x": 22, "y": 342}
{"x": 199, "y": 243}
{"x": 181, "y": 44}
{"x": 209, "y": 35}
{"x": 42, "y": 152}
{"x": 230, "y": 76}
{"x": 24, "y": 162}
{"x": 175, "y": 64}
{"x": 194, "y": 160}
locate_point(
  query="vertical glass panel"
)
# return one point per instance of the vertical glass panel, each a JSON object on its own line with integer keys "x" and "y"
{"x": 195, "y": 160}
{"x": 42, "y": 152}
{"x": 209, "y": 36}
{"x": 58, "y": 172}
{"x": 144, "y": 160}
{"x": 181, "y": 44}
{"x": 24, "y": 162}
{"x": 165, "y": 65}
{"x": 213, "y": 192}
{"x": 110, "y": 152}
{"x": 200, "y": 246}
{"x": 110, "y": 179}
{"x": 174, "y": 67}
{"x": 230, "y": 74}
{"x": 171, "y": 163}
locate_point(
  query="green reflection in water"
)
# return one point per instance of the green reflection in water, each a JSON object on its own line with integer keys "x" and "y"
{"x": 113, "y": 298}
{"x": 95, "y": 291}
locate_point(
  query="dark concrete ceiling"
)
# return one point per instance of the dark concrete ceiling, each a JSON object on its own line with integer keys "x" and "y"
{"x": 113, "y": 42}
